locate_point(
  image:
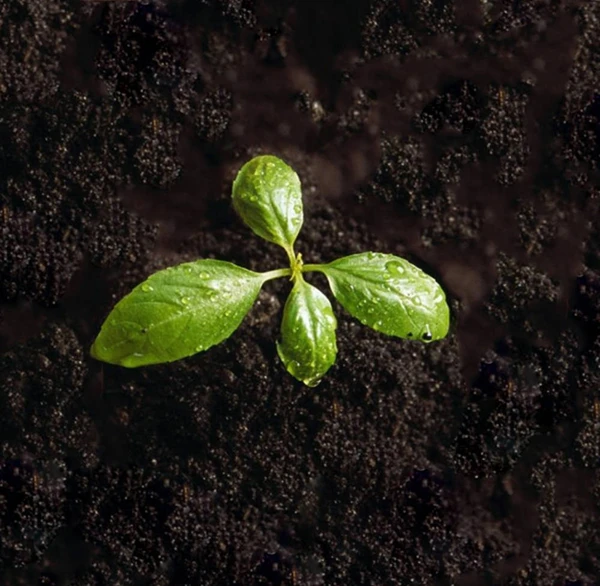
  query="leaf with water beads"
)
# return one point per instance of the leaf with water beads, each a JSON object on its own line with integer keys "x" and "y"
{"x": 267, "y": 196}
{"x": 390, "y": 295}
{"x": 177, "y": 312}
{"x": 308, "y": 346}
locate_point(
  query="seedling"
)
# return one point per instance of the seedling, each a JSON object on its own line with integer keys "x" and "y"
{"x": 188, "y": 308}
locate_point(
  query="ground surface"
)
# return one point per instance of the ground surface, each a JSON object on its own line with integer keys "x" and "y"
{"x": 464, "y": 135}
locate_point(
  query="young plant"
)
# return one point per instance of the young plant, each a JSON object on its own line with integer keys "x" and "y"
{"x": 188, "y": 308}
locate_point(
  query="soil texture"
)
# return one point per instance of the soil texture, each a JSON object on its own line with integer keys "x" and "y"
{"x": 461, "y": 134}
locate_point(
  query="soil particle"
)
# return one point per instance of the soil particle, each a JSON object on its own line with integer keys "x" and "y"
{"x": 518, "y": 294}
{"x": 565, "y": 542}
{"x": 35, "y": 34}
{"x": 395, "y": 29}
{"x": 58, "y": 201}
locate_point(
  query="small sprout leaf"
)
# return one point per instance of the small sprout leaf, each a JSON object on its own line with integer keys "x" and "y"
{"x": 390, "y": 295}
{"x": 268, "y": 197}
{"x": 308, "y": 346}
{"x": 177, "y": 312}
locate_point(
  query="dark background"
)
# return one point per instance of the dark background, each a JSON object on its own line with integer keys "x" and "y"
{"x": 463, "y": 135}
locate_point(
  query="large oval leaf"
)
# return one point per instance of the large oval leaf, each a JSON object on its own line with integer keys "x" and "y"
{"x": 390, "y": 295}
{"x": 177, "y": 312}
{"x": 308, "y": 347}
{"x": 268, "y": 197}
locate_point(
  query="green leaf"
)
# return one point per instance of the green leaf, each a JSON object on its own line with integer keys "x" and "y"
{"x": 268, "y": 197}
{"x": 177, "y": 312}
{"x": 308, "y": 347}
{"x": 390, "y": 295}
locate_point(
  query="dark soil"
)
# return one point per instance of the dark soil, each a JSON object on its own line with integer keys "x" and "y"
{"x": 464, "y": 135}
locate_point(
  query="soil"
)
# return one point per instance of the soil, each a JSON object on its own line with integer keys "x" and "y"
{"x": 464, "y": 135}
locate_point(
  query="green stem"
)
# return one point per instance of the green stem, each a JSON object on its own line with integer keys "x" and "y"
{"x": 291, "y": 255}
{"x": 314, "y": 267}
{"x": 276, "y": 274}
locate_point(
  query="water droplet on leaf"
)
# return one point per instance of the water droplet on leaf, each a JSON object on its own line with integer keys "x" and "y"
{"x": 395, "y": 268}
{"x": 427, "y": 336}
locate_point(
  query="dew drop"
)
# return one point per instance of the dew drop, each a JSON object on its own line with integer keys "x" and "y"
{"x": 427, "y": 336}
{"x": 146, "y": 288}
{"x": 370, "y": 255}
{"x": 417, "y": 300}
{"x": 253, "y": 198}
{"x": 371, "y": 310}
{"x": 203, "y": 275}
{"x": 297, "y": 208}
{"x": 394, "y": 268}
{"x": 199, "y": 348}
{"x": 185, "y": 300}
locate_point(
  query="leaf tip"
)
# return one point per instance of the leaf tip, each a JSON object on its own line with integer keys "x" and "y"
{"x": 99, "y": 352}
{"x": 312, "y": 381}
{"x": 95, "y": 352}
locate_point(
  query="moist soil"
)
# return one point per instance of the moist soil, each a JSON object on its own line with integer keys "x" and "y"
{"x": 463, "y": 135}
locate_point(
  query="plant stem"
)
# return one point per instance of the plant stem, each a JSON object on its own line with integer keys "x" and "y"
{"x": 276, "y": 274}
{"x": 313, "y": 267}
{"x": 291, "y": 256}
